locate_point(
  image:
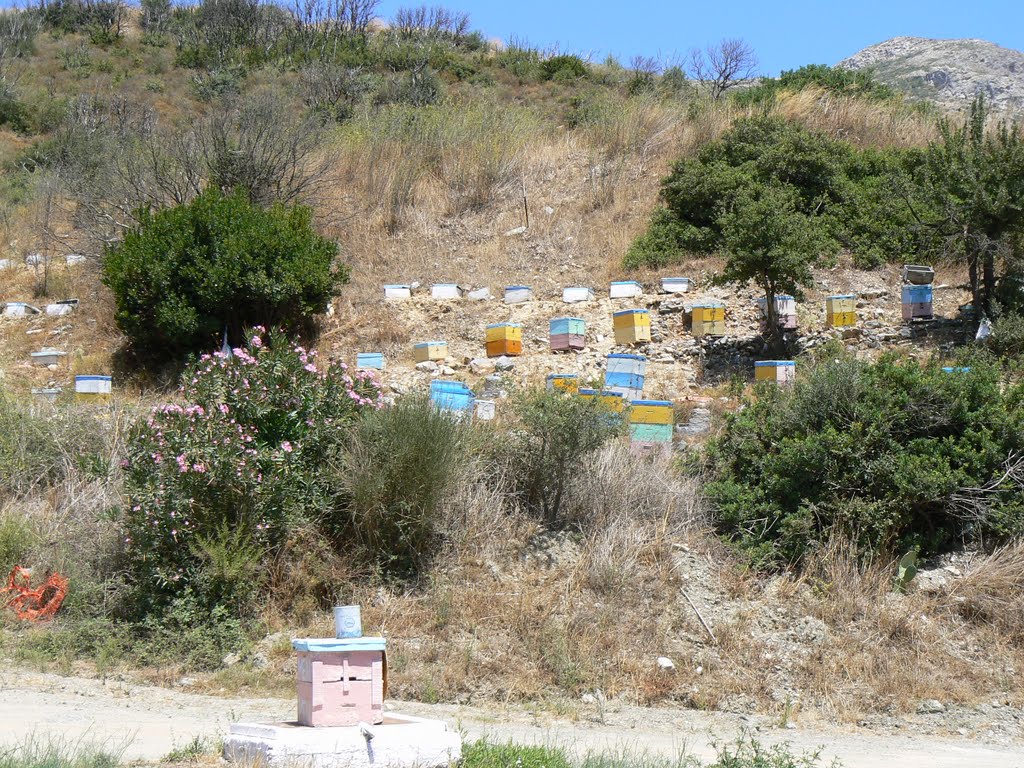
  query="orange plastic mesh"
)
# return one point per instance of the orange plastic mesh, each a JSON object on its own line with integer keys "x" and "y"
{"x": 34, "y": 604}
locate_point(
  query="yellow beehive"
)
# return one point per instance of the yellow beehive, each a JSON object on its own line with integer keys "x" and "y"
{"x": 614, "y": 401}
{"x": 709, "y": 319}
{"x": 840, "y": 311}
{"x": 430, "y": 350}
{"x": 563, "y": 382}
{"x": 650, "y": 412}
{"x": 632, "y": 326}
{"x": 504, "y": 339}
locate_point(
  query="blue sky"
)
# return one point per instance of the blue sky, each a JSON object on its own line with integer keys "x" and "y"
{"x": 784, "y": 34}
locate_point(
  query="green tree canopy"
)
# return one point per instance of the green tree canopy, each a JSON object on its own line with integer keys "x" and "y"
{"x": 184, "y": 274}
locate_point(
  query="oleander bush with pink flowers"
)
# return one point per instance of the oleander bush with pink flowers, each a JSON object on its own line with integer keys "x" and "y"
{"x": 218, "y": 480}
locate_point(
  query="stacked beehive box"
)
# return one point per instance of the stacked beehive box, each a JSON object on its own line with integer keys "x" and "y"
{"x": 632, "y": 326}
{"x": 785, "y": 313}
{"x": 625, "y": 374}
{"x": 430, "y": 350}
{"x": 370, "y": 361}
{"x": 92, "y": 389}
{"x": 625, "y": 289}
{"x": 568, "y": 334}
{"x": 615, "y": 402}
{"x": 917, "y": 302}
{"x": 576, "y": 294}
{"x": 517, "y": 294}
{"x": 453, "y": 397}
{"x": 562, "y": 382}
{"x": 504, "y": 339}
{"x": 650, "y": 425}
{"x": 777, "y": 371}
{"x": 708, "y": 318}
{"x": 341, "y": 681}
{"x": 676, "y": 284}
{"x": 47, "y": 356}
{"x": 841, "y": 310}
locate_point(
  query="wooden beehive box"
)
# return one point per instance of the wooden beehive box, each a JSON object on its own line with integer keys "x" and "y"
{"x": 47, "y": 356}
{"x": 651, "y": 412}
{"x": 676, "y": 284}
{"x": 504, "y": 339}
{"x": 841, "y": 311}
{"x": 631, "y": 326}
{"x": 785, "y": 312}
{"x": 708, "y": 319}
{"x": 370, "y": 361}
{"x": 625, "y": 374}
{"x": 917, "y": 302}
{"x": 918, "y": 274}
{"x": 453, "y": 397}
{"x": 625, "y": 289}
{"x": 92, "y": 388}
{"x": 446, "y": 291}
{"x": 430, "y": 350}
{"x": 613, "y": 401}
{"x": 485, "y": 410}
{"x": 341, "y": 682}
{"x": 576, "y": 294}
{"x": 777, "y": 371}
{"x": 567, "y": 333}
{"x": 564, "y": 382}
{"x": 517, "y": 294}
{"x": 397, "y": 291}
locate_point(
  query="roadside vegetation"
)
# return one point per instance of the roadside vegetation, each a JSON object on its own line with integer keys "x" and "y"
{"x": 229, "y": 169}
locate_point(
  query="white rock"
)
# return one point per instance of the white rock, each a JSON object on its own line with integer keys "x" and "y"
{"x": 427, "y": 365}
{"x": 664, "y": 662}
{"x": 515, "y": 231}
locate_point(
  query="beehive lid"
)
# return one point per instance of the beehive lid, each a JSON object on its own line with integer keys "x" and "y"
{"x": 631, "y": 312}
{"x": 654, "y": 403}
{"x": 517, "y": 287}
{"x": 397, "y": 286}
{"x": 560, "y": 319}
{"x": 623, "y": 356}
{"x": 430, "y": 343}
{"x": 505, "y": 325}
{"x": 92, "y": 378}
{"x": 774, "y": 363}
{"x": 625, "y": 282}
{"x": 843, "y": 296}
{"x": 562, "y": 376}
{"x": 709, "y": 303}
{"x": 338, "y": 645}
{"x": 585, "y": 391}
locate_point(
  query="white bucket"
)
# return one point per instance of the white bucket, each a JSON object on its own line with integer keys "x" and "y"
{"x": 347, "y": 622}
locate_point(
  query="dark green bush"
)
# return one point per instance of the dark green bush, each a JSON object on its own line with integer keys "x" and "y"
{"x": 563, "y": 67}
{"x": 891, "y": 455}
{"x": 398, "y": 467}
{"x": 1007, "y": 339}
{"x": 185, "y": 274}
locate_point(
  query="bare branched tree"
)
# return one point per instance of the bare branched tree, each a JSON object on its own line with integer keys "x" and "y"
{"x": 322, "y": 26}
{"x": 430, "y": 21}
{"x": 723, "y": 65}
{"x": 18, "y": 30}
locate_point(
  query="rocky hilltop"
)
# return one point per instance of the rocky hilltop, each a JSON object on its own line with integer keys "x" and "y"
{"x": 949, "y": 72}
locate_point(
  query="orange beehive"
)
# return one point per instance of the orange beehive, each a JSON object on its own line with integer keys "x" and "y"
{"x": 504, "y": 339}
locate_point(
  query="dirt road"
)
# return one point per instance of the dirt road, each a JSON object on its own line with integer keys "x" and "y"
{"x": 149, "y": 722}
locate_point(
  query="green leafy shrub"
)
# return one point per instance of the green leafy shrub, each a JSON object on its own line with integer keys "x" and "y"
{"x": 891, "y": 455}
{"x": 185, "y": 274}
{"x": 554, "y": 434}
{"x": 834, "y": 80}
{"x": 399, "y": 465}
{"x": 1007, "y": 339}
{"x": 217, "y": 484}
{"x": 563, "y": 67}
{"x": 859, "y": 197}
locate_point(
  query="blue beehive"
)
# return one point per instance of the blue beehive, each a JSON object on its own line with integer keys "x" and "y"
{"x": 625, "y": 374}
{"x": 956, "y": 370}
{"x": 452, "y": 396}
{"x": 917, "y": 302}
{"x": 370, "y": 360}
{"x": 650, "y": 433}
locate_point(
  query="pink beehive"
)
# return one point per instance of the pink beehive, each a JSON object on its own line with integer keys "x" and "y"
{"x": 341, "y": 681}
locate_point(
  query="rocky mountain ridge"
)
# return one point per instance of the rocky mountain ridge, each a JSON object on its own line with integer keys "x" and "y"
{"x": 949, "y": 72}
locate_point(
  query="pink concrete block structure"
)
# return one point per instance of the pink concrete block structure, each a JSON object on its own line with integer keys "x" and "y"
{"x": 341, "y": 681}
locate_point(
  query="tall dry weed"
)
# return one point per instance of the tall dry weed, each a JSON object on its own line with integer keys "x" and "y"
{"x": 991, "y": 592}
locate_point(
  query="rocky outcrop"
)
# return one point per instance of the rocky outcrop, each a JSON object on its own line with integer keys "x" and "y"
{"x": 949, "y": 72}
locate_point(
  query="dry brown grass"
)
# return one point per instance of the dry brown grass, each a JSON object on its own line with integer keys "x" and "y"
{"x": 991, "y": 592}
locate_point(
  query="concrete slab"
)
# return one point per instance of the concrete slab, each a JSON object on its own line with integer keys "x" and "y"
{"x": 401, "y": 741}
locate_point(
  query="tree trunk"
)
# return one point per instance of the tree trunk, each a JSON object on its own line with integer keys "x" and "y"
{"x": 988, "y": 279}
{"x": 775, "y": 341}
